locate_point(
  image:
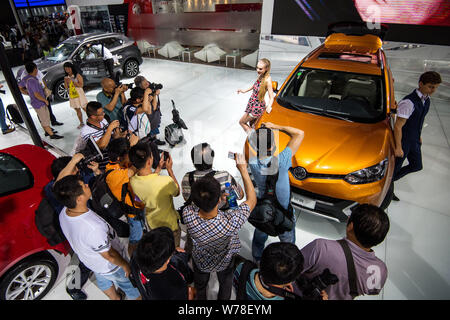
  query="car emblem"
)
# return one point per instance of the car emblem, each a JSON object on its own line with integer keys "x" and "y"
{"x": 300, "y": 173}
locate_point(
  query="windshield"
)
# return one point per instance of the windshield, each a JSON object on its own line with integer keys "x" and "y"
{"x": 342, "y": 95}
{"x": 62, "y": 51}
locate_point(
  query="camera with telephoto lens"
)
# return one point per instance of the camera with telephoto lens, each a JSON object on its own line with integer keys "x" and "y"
{"x": 311, "y": 288}
{"x": 129, "y": 85}
{"x": 91, "y": 152}
{"x": 155, "y": 86}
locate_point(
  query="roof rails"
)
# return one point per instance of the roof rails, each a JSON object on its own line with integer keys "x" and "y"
{"x": 356, "y": 28}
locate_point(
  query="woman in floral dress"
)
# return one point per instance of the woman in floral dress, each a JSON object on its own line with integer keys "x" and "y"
{"x": 256, "y": 104}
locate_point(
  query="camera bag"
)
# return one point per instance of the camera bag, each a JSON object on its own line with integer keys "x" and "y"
{"x": 47, "y": 223}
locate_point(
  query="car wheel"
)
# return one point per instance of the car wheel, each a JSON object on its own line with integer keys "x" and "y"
{"x": 60, "y": 91}
{"x": 388, "y": 198}
{"x": 30, "y": 280}
{"x": 131, "y": 68}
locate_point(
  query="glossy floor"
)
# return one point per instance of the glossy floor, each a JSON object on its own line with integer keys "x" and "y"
{"x": 416, "y": 248}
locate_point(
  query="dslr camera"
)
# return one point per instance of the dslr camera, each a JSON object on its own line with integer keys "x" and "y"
{"x": 155, "y": 86}
{"x": 91, "y": 153}
{"x": 311, "y": 288}
{"x": 129, "y": 85}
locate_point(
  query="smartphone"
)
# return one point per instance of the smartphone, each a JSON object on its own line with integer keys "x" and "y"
{"x": 165, "y": 155}
{"x": 231, "y": 155}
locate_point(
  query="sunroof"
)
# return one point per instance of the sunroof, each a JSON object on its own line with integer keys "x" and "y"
{"x": 349, "y": 57}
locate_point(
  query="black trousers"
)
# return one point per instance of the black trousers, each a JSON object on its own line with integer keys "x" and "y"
{"x": 83, "y": 273}
{"x": 52, "y": 116}
{"x": 412, "y": 152}
{"x": 225, "y": 278}
{"x": 109, "y": 65}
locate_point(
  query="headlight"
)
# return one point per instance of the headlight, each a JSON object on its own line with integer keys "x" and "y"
{"x": 367, "y": 175}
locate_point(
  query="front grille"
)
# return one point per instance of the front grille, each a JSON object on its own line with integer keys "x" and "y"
{"x": 319, "y": 175}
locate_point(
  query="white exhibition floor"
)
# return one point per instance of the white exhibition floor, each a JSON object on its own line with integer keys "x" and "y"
{"x": 416, "y": 248}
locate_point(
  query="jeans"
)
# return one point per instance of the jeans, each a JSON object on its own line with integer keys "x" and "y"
{"x": 3, "y": 124}
{"x": 225, "y": 278}
{"x": 136, "y": 229}
{"x": 104, "y": 282}
{"x": 260, "y": 238}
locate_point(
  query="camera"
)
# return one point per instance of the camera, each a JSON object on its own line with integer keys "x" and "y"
{"x": 155, "y": 86}
{"x": 311, "y": 288}
{"x": 129, "y": 85}
{"x": 91, "y": 153}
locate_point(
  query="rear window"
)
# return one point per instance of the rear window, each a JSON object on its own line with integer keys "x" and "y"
{"x": 335, "y": 94}
{"x": 14, "y": 175}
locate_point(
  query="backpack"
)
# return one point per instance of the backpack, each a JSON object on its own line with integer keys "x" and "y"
{"x": 189, "y": 200}
{"x": 47, "y": 223}
{"x": 104, "y": 201}
{"x": 244, "y": 276}
{"x": 13, "y": 114}
{"x": 268, "y": 215}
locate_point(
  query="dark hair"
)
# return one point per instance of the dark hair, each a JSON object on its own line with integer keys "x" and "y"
{"x": 136, "y": 93}
{"x": 202, "y": 152}
{"x": 205, "y": 193}
{"x": 71, "y": 66}
{"x": 30, "y": 66}
{"x": 262, "y": 140}
{"x": 139, "y": 154}
{"x": 370, "y": 224}
{"x": 281, "y": 263}
{"x": 92, "y": 107}
{"x": 430, "y": 77}
{"x": 58, "y": 164}
{"x": 153, "y": 250}
{"x": 118, "y": 148}
{"x": 67, "y": 190}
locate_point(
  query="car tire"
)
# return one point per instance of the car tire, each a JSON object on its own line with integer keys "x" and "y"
{"x": 31, "y": 279}
{"x": 388, "y": 198}
{"x": 131, "y": 68}
{"x": 60, "y": 92}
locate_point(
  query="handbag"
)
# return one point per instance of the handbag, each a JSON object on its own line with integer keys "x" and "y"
{"x": 73, "y": 93}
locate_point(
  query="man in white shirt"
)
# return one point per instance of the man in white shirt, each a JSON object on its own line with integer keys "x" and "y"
{"x": 107, "y": 58}
{"x": 411, "y": 112}
{"x": 93, "y": 240}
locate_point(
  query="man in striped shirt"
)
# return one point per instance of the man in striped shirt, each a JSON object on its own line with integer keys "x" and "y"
{"x": 202, "y": 156}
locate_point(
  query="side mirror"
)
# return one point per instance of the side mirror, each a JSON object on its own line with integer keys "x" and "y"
{"x": 275, "y": 86}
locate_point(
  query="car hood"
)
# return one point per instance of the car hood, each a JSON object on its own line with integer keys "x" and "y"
{"x": 333, "y": 146}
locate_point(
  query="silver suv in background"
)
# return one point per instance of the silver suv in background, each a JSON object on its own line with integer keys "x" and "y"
{"x": 126, "y": 53}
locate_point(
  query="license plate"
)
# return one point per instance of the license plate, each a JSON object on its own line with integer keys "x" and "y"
{"x": 304, "y": 201}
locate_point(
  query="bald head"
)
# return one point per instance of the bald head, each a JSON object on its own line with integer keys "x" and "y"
{"x": 108, "y": 85}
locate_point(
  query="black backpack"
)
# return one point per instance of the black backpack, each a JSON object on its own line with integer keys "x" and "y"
{"x": 47, "y": 222}
{"x": 268, "y": 215}
{"x": 189, "y": 200}
{"x": 13, "y": 114}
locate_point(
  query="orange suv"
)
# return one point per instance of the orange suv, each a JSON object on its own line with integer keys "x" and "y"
{"x": 341, "y": 95}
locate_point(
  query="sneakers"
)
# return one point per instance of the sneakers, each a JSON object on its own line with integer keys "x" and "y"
{"x": 56, "y": 123}
{"x": 56, "y": 136}
{"x": 9, "y": 130}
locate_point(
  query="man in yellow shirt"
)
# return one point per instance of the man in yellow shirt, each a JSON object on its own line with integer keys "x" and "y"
{"x": 156, "y": 191}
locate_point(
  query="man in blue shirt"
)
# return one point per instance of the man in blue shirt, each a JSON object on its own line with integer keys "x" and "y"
{"x": 262, "y": 163}
{"x": 112, "y": 98}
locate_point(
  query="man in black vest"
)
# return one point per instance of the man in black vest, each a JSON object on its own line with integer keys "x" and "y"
{"x": 411, "y": 112}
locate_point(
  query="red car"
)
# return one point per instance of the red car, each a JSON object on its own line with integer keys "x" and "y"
{"x": 27, "y": 268}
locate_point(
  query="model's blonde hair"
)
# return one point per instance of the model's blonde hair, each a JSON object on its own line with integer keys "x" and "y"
{"x": 263, "y": 78}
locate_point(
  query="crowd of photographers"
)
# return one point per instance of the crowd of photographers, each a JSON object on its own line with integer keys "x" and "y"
{"x": 115, "y": 186}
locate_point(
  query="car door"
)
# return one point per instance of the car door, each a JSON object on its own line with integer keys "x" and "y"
{"x": 91, "y": 64}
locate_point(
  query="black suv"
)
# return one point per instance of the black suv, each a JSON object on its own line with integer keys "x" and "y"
{"x": 127, "y": 60}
